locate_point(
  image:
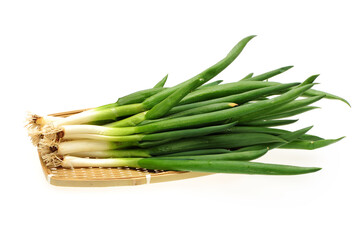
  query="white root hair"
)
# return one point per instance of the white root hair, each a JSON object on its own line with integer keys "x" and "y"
{"x": 50, "y": 135}
{"x": 52, "y": 160}
{"x": 38, "y": 126}
{"x": 48, "y": 145}
{"x": 48, "y": 150}
{"x": 34, "y": 129}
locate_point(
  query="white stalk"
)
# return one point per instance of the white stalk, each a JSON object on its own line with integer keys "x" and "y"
{"x": 83, "y": 146}
{"x": 74, "y": 162}
{"x": 89, "y": 136}
{"x": 74, "y": 131}
{"x": 92, "y": 154}
{"x": 84, "y": 129}
{"x": 128, "y": 138}
{"x": 51, "y": 135}
{"x": 112, "y": 153}
{"x": 80, "y": 118}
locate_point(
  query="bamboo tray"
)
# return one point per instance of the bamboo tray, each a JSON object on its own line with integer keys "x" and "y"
{"x": 105, "y": 177}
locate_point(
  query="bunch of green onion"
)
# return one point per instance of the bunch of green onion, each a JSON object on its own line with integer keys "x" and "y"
{"x": 193, "y": 126}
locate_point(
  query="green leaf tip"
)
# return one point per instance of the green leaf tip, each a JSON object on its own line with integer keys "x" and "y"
{"x": 313, "y": 92}
{"x": 341, "y": 99}
{"x": 314, "y": 169}
{"x": 339, "y": 139}
{"x": 315, "y": 75}
{"x": 162, "y": 82}
{"x": 283, "y": 69}
{"x": 306, "y": 129}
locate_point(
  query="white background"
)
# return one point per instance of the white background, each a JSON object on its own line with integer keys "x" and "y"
{"x": 63, "y": 55}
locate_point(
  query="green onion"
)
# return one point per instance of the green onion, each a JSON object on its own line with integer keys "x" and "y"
{"x": 192, "y": 126}
{"x": 190, "y": 165}
{"x": 187, "y": 144}
{"x": 169, "y": 135}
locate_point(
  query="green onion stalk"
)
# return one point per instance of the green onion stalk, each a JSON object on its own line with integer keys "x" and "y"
{"x": 216, "y": 166}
